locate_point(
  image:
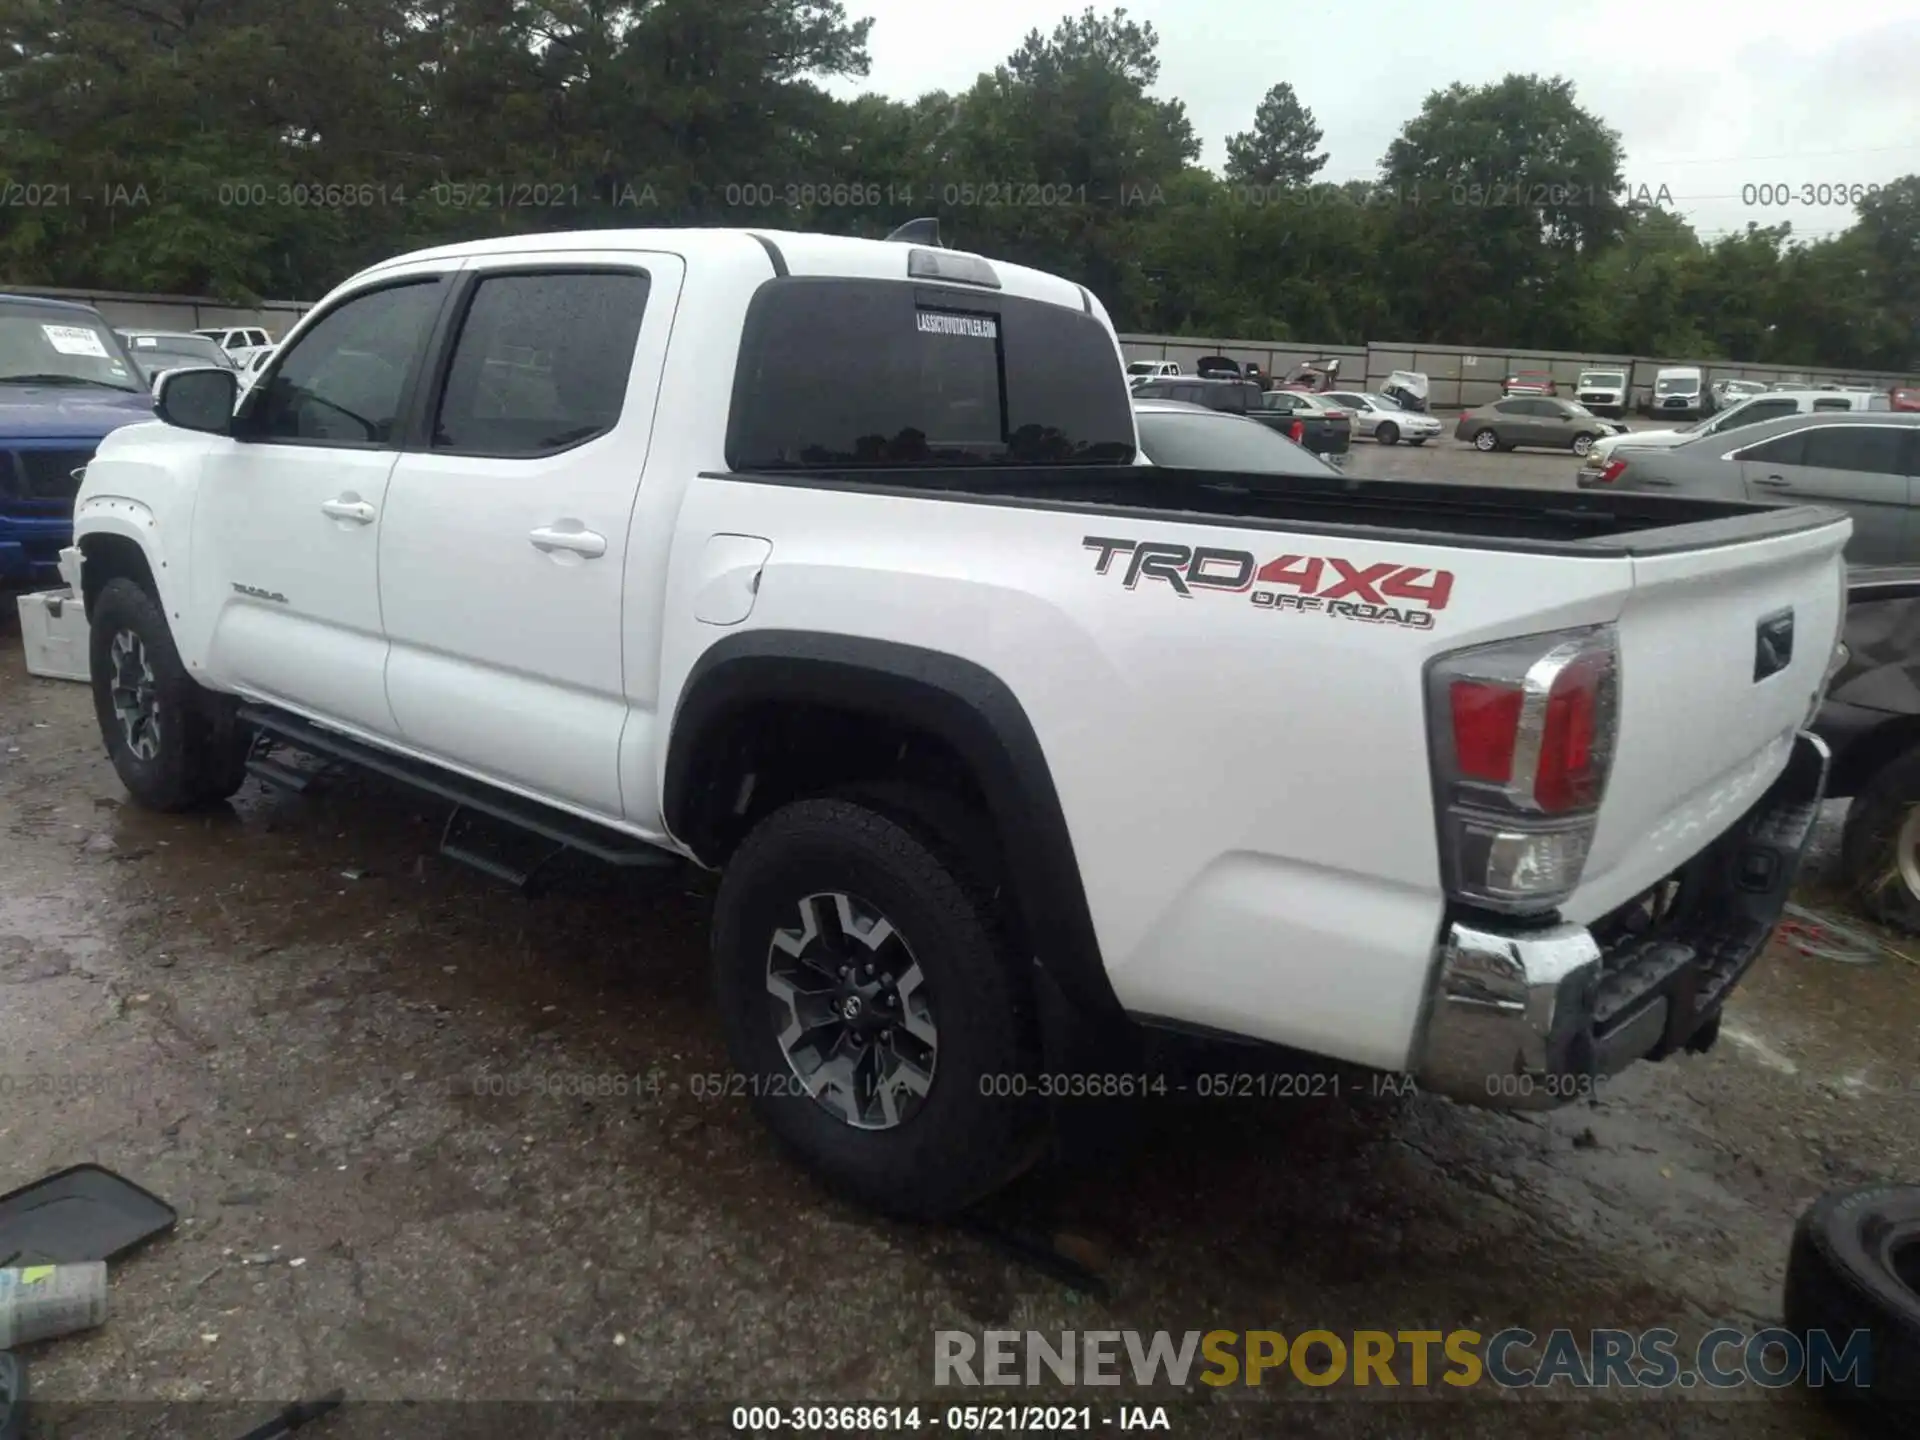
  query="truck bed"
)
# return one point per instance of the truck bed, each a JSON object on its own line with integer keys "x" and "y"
{"x": 1484, "y": 517}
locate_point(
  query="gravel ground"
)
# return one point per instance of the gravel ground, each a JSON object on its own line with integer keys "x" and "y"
{"x": 295, "y": 1022}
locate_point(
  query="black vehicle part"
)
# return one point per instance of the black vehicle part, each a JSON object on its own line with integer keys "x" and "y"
{"x": 1855, "y": 1265}
{"x": 558, "y": 826}
{"x": 902, "y": 1001}
{"x": 728, "y": 729}
{"x": 295, "y": 1416}
{"x": 1880, "y": 846}
{"x": 82, "y": 1213}
{"x": 13, "y": 1397}
{"x": 174, "y": 744}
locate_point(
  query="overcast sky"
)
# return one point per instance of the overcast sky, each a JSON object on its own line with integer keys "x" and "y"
{"x": 1708, "y": 98}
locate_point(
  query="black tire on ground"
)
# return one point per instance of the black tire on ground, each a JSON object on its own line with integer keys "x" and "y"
{"x": 1486, "y": 441}
{"x": 1870, "y": 845}
{"x": 1582, "y": 443}
{"x": 1387, "y": 433}
{"x": 198, "y": 752}
{"x": 961, "y": 1144}
{"x": 1855, "y": 1265}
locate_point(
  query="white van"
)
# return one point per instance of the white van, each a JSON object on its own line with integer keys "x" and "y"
{"x": 1679, "y": 392}
{"x": 1604, "y": 391}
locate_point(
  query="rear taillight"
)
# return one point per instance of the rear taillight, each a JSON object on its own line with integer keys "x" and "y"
{"x": 1297, "y": 431}
{"x": 1522, "y": 737}
{"x": 1612, "y": 471}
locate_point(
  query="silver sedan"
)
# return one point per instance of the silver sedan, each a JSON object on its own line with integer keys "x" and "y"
{"x": 1378, "y": 417}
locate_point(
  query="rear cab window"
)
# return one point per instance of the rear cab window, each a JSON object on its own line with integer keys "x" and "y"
{"x": 925, "y": 375}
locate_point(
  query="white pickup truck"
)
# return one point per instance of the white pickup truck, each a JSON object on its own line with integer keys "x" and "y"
{"x": 827, "y": 563}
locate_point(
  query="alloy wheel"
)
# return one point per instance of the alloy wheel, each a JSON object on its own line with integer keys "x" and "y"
{"x": 136, "y": 694}
{"x": 852, "y": 1012}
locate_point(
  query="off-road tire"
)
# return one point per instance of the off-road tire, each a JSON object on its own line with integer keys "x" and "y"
{"x": 201, "y": 755}
{"x": 962, "y": 1144}
{"x": 1855, "y": 1265}
{"x": 1869, "y": 845}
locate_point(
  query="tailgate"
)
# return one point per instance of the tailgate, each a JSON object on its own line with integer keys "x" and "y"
{"x": 1708, "y": 705}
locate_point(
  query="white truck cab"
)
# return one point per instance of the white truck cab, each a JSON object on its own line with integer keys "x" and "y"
{"x": 828, "y": 564}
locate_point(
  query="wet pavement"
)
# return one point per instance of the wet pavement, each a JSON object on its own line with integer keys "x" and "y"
{"x": 431, "y": 1140}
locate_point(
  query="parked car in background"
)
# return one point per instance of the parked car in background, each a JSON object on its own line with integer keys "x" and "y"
{"x": 1536, "y": 422}
{"x": 1144, "y": 369}
{"x": 241, "y": 342}
{"x": 1379, "y": 419}
{"x": 1529, "y": 382}
{"x": 1871, "y": 722}
{"x": 1315, "y": 421}
{"x": 1770, "y": 405}
{"x": 158, "y": 351}
{"x": 1604, "y": 392}
{"x": 1724, "y": 394}
{"x": 1192, "y": 437}
{"x": 66, "y": 382}
{"x": 1679, "y": 391}
{"x": 1408, "y": 389}
{"x": 1903, "y": 397}
{"x": 1313, "y": 376}
{"x": 250, "y": 371}
{"x": 1866, "y": 463}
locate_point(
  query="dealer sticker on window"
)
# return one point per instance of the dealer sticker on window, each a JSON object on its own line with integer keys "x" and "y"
{"x": 978, "y": 327}
{"x": 74, "y": 340}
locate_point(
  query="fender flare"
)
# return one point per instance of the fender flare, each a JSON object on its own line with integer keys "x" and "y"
{"x": 966, "y": 706}
{"x": 120, "y": 518}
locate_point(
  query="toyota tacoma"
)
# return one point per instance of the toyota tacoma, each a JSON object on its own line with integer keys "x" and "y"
{"x": 829, "y": 564}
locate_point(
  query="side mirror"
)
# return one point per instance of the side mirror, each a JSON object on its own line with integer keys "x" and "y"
{"x": 200, "y": 398}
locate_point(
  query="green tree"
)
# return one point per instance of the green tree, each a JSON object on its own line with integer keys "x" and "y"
{"x": 1281, "y": 148}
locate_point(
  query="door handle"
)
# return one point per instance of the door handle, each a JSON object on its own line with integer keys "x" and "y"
{"x": 580, "y": 542}
{"x": 359, "y": 511}
{"x": 1773, "y": 482}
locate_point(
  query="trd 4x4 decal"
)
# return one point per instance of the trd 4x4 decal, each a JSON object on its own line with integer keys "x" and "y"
{"x": 1299, "y": 584}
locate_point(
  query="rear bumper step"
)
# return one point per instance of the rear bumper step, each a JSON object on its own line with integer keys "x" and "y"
{"x": 1529, "y": 1019}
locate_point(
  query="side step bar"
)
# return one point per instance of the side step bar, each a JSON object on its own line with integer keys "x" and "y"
{"x": 565, "y": 831}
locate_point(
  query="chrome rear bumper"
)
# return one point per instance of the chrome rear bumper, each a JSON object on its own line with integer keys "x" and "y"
{"x": 1530, "y": 1019}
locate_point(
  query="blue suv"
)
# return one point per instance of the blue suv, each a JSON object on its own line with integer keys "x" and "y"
{"x": 66, "y": 381}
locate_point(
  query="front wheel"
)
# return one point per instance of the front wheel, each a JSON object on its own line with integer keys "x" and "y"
{"x": 1486, "y": 442}
{"x": 873, "y": 1007}
{"x": 174, "y": 744}
{"x": 1388, "y": 433}
{"x": 1582, "y": 444}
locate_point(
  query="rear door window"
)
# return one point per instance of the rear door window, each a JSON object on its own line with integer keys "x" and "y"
{"x": 838, "y": 373}
{"x": 541, "y": 363}
{"x": 1871, "y": 449}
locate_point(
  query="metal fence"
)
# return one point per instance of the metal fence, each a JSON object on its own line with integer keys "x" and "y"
{"x": 1459, "y": 376}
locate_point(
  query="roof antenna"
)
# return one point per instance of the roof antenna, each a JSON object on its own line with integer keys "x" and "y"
{"x": 924, "y": 231}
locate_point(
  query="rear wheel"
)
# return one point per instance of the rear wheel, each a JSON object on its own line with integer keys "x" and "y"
{"x": 1387, "y": 433}
{"x": 1485, "y": 441}
{"x": 872, "y": 1002}
{"x": 174, "y": 744}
